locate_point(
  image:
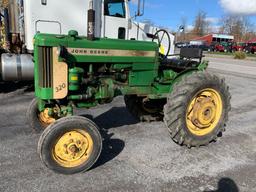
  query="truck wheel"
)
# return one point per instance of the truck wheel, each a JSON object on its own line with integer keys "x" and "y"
{"x": 144, "y": 112}
{"x": 70, "y": 145}
{"x": 197, "y": 109}
{"x": 38, "y": 120}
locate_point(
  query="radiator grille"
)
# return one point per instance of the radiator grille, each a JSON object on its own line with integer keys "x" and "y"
{"x": 45, "y": 64}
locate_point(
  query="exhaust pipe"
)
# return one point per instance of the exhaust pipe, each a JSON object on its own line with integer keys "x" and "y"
{"x": 91, "y": 22}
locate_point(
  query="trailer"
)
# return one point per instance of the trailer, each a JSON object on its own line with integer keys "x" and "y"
{"x": 21, "y": 20}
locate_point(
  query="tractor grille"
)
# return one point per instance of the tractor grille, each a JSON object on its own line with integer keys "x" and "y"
{"x": 45, "y": 64}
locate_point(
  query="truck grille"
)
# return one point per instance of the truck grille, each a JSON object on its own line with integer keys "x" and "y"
{"x": 45, "y": 64}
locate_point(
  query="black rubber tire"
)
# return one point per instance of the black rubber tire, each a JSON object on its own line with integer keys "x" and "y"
{"x": 57, "y": 129}
{"x": 178, "y": 101}
{"x": 134, "y": 106}
{"x": 32, "y": 117}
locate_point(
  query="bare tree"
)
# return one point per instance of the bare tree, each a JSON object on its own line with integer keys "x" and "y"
{"x": 200, "y": 24}
{"x": 236, "y": 25}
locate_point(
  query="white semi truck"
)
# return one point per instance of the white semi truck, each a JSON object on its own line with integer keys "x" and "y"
{"x": 22, "y": 19}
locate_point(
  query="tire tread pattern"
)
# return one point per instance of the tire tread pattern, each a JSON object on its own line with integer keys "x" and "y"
{"x": 174, "y": 110}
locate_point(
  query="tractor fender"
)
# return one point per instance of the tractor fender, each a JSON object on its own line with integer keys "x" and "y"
{"x": 201, "y": 67}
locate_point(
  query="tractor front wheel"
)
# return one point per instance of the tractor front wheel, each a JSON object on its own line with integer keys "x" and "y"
{"x": 197, "y": 109}
{"x": 70, "y": 145}
{"x": 37, "y": 120}
{"x": 144, "y": 110}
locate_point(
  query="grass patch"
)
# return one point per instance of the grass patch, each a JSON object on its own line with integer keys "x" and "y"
{"x": 240, "y": 55}
{"x": 230, "y": 54}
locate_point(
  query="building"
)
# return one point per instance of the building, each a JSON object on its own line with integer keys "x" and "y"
{"x": 209, "y": 39}
{"x": 252, "y": 41}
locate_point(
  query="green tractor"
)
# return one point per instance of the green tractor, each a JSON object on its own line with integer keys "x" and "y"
{"x": 73, "y": 71}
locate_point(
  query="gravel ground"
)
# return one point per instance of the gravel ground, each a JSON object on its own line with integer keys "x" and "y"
{"x": 137, "y": 156}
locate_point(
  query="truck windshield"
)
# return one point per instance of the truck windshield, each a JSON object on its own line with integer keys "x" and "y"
{"x": 114, "y": 8}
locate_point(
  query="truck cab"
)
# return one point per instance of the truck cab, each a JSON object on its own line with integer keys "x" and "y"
{"x": 113, "y": 19}
{"x": 23, "y": 19}
{"x": 116, "y": 15}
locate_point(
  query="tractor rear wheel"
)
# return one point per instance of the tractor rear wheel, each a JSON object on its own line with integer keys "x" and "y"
{"x": 197, "y": 109}
{"x": 70, "y": 145}
{"x": 151, "y": 110}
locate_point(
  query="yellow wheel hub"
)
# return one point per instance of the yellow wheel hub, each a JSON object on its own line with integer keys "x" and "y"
{"x": 45, "y": 118}
{"x": 204, "y": 112}
{"x": 73, "y": 148}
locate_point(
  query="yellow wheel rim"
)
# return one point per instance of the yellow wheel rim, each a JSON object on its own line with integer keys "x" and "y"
{"x": 45, "y": 118}
{"x": 204, "y": 112}
{"x": 73, "y": 148}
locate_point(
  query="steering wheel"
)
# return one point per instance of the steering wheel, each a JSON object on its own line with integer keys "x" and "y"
{"x": 161, "y": 35}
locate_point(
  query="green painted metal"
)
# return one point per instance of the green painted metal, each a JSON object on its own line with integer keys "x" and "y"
{"x": 102, "y": 69}
{"x": 75, "y": 78}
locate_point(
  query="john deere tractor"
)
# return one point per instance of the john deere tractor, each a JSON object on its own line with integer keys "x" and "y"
{"x": 74, "y": 71}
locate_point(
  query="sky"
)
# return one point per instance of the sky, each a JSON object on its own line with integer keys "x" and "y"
{"x": 168, "y": 13}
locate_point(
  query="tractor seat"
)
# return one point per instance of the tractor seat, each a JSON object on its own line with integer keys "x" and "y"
{"x": 186, "y": 60}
